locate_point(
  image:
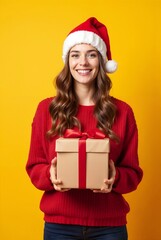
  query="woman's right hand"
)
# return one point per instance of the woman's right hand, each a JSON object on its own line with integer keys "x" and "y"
{"x": 53, "y": 177}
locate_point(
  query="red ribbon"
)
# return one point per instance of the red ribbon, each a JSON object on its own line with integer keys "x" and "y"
{"x": 94, "y": 133}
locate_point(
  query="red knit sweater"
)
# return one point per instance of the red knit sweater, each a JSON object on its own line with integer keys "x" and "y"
{"x": 83, "y": 207}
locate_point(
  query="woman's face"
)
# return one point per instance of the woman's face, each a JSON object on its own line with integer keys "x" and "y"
{"x": 83, "y": 63}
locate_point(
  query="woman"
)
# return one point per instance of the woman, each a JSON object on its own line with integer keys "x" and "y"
{"x": 83, "y": 102}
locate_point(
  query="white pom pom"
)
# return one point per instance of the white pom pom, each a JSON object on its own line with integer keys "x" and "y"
{"x": 111, "y": 66}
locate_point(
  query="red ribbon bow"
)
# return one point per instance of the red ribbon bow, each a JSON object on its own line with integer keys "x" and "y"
{"x": 72, "y": 133}
{"x": 93, "y": 133}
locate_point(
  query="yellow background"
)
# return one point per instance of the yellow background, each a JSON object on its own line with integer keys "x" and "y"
{"x": 31, "y": 38}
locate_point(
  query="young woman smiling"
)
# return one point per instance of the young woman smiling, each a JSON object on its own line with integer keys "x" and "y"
{"x": 83, "y": 102}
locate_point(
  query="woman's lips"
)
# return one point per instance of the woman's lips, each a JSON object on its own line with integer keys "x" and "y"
{"x": 83, "y": 71}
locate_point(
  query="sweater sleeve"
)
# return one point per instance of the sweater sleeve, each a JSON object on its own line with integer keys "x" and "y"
{"x": 38, "y": 163}
{"x": 128, "y": 172}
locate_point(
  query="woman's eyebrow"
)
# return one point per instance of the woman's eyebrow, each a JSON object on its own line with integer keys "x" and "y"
{"x": 74, "y": 51}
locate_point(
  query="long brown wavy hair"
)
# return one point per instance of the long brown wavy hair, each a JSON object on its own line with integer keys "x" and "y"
{"x": 64, "y": 106}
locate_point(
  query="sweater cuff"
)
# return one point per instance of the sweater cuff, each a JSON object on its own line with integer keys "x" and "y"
{"x": 48, "y": 176}
{"x": 116, "y": 177}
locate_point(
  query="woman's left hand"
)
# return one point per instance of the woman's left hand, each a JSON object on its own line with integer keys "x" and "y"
{"x": 108, "y": 182}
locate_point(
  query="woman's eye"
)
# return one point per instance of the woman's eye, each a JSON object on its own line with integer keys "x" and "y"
{"x": 75, "y": 55}
{"x": 92, "y": 55}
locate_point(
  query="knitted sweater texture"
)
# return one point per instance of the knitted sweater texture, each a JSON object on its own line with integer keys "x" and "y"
{"x": 83, "y": 207}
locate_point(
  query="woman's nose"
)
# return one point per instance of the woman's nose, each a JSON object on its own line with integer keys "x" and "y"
{"x": 83, "y": 60}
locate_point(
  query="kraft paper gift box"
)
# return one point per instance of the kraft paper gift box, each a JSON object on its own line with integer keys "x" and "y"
{"x": 95, "y": 169}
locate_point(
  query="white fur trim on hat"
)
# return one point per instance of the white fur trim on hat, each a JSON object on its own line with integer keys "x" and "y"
{"x": 88, "y": 37}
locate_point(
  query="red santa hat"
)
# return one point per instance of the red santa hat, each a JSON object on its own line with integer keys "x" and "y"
{"x": 95, "y": 33}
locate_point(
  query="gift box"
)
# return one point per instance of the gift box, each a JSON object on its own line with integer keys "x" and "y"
{"x": 82, "y": 163}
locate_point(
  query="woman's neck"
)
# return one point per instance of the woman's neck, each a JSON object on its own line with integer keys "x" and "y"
{"x": 85, "y": 95}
